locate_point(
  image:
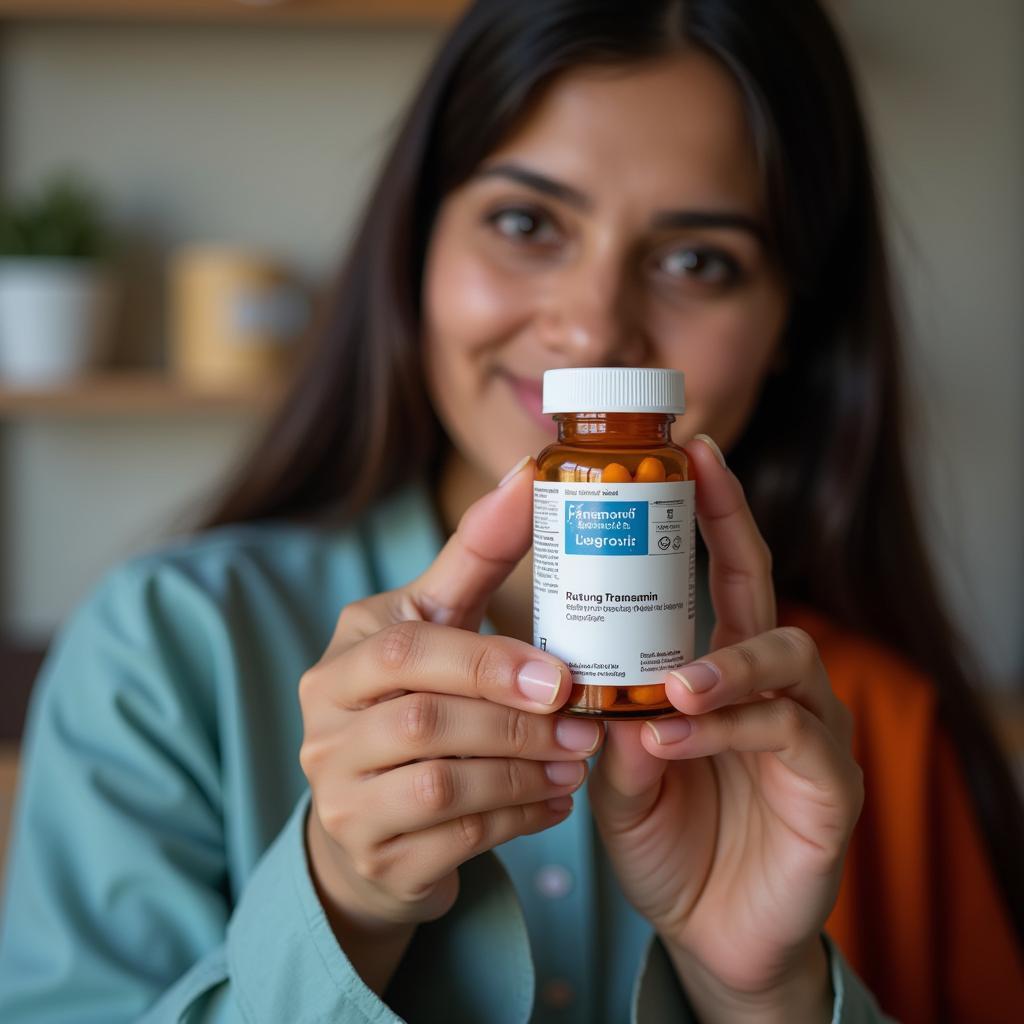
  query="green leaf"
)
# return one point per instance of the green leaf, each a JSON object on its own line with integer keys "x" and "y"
{"x": 63, "y": 220}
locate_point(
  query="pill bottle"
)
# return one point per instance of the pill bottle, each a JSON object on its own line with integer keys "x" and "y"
{"x": 613, "y": 539}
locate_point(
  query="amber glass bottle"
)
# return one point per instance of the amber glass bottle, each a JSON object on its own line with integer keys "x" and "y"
{"x": 613, "y": 538}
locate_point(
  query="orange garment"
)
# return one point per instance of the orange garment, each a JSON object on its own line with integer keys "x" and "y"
{"x": 919, "y": 914}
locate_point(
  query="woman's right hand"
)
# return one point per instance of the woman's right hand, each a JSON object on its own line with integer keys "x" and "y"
{"x": 426, "y": 743}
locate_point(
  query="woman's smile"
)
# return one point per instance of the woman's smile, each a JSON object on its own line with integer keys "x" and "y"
{"x": 528, "y": 393}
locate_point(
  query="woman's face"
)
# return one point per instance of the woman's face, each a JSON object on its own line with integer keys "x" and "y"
{"x": 621, "y": 225}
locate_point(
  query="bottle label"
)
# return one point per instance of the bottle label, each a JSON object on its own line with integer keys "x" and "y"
{"x": 613, "y": 584}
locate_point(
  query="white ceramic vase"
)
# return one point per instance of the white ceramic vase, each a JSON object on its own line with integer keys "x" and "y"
{"x": 55, "y": 319}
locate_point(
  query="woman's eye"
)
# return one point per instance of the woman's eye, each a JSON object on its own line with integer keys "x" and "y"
{"x": 709, "y": 266}
{"x": 520, "y": 224}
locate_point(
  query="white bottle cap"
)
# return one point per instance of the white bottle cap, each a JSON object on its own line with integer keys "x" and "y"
{"x": 613, "y": 389}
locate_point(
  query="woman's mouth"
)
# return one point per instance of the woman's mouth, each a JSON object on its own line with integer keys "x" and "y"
{"x": 529, "y": 394}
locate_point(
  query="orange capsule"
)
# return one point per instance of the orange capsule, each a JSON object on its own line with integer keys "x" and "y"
{"x": 616, "y": 473}
{"x": 650, "y": 471}
{"x": 602, "y": 696}
{"x": 590, "y": 698}
{"x": 672, "y": 477}
{"x": 653, "y": 694}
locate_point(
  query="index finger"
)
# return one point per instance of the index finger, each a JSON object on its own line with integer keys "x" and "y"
{"x": 414, "y": 656}
{"x": 740, "y": 569}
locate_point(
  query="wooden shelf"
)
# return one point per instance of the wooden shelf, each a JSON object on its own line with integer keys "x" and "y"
{"x": 250, "y": 11}
{"x": 130, "y": 393}
{"x": 8, "y": 789}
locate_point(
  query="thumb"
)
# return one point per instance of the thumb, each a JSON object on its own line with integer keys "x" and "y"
{"x": 493, "y": 535}
{"x": 627, "y": 779}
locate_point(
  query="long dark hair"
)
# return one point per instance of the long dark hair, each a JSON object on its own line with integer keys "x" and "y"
{"x": 822, "y": 460}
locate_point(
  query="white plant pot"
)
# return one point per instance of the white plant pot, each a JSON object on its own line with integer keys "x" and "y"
{"x": 55, "y": 319}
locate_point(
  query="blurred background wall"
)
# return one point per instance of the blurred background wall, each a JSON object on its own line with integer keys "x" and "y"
{"x": 944, "y": 87}
{"x": 260, "y": 136}
{"x": 268, "y": 136}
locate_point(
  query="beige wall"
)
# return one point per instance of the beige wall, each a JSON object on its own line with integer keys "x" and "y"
{"x": 267, "y": 137}
{"x": 944, "y": 85}
{"x": 264, "y": 137}
{"x": 80, "y": 494}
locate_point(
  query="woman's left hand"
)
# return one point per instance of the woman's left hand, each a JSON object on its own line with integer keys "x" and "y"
{"x": 728, "y": 825}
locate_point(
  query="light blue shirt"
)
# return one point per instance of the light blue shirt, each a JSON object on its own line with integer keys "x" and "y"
{"x": 158, "y": 870}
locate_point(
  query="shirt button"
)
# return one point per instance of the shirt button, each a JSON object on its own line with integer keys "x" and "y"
{"x": 553, "y": 881}
{"x": 557, "y": 994}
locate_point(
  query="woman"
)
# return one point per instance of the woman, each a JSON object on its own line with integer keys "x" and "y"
{"x": 577, "y": 183}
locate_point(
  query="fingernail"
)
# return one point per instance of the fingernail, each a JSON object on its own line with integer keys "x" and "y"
{"x": 538, "y": 681}
{"x": 698, "y": 676}
{"x": 564, "y": 773}
{"x": 714, "y": 447}
{"x": 560, "y": 803}
{"x": 670, "y": 730}
{"x": 573, "y": 734}
{"x": 515, "y": 469}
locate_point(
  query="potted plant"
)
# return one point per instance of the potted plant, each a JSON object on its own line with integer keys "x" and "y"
{"x": 56, "y": 290}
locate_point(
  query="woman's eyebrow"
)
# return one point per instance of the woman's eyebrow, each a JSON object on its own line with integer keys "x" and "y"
{"x": 710, "y": 219}
{"x": 663, "y": 219}
{"x": 539, "y": 182}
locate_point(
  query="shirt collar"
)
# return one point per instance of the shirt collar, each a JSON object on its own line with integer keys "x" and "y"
{"x": 405, "y": 536}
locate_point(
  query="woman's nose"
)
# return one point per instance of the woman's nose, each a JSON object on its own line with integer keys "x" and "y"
{"x": 589, "y": 319}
